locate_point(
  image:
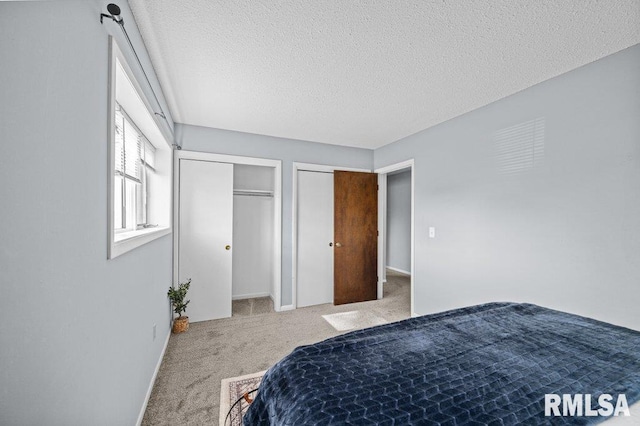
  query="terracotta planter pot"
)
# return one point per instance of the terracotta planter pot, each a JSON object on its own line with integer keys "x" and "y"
{"x": 180, "y": 324}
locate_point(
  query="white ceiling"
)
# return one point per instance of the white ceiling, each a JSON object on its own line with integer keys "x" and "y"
{"x": 365, "y": 73}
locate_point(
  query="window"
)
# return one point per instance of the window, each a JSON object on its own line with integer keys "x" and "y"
{"x": 139, "y": 165}
{"x": 134, "y": 162}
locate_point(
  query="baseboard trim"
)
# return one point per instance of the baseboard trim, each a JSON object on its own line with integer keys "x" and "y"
{"x": 401, "y": 271}
{"x": 153, "y": 380}
{"x": 251, "y": 296}
{"x": 287, "y": 308}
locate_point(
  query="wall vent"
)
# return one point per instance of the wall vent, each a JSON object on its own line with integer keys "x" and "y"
{"x": 519, "y": 148}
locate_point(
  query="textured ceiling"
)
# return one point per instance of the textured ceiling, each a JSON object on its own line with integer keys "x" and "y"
{"x": 365, "y": 73}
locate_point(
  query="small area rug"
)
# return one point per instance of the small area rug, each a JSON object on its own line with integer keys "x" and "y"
{"x": 353, "y": 320}
{"x": 231, "y": 390}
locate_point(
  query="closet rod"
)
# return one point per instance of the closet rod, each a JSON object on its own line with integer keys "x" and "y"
{"x": 254, "y": 193}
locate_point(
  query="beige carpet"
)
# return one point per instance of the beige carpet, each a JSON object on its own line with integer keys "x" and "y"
{"x": 254, "y": 306}
{"x": 187, "y": 389}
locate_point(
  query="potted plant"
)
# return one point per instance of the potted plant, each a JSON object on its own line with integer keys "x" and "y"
{"x": 177, "y": 295}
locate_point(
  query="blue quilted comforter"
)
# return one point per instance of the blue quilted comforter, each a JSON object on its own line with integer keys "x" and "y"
{"x": 486, "y": 364}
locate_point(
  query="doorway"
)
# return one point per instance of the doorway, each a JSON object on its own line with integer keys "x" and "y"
{"x": 383, "y": 174}
{"x": 398, "y": 221}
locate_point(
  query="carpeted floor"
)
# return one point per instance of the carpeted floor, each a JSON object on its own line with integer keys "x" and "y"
{"x": 255, "y": 306}
{"x": 187, "y": 389}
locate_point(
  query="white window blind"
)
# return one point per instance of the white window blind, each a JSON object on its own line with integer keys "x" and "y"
{"x": 149, "y": 154}
{"x": 132, "y": 148}
{"x": 119, "y": 143}
{"x": 134, "y": 154}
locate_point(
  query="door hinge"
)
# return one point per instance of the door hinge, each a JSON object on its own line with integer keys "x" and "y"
{"x": 377, "y": 233}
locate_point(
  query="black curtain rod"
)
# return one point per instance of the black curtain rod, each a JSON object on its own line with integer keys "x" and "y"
{"x": 114, "y": 15}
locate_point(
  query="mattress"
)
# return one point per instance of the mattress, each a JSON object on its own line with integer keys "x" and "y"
{"x": 485, "y": 364}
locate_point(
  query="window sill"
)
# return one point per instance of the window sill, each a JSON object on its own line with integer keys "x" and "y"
{"x": 127, "y": 241}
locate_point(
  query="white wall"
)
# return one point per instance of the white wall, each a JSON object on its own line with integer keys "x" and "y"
{"x": 563, "y": 234}
{"x": 218, "y": 141}
{"x": 253, "y": 178}
{"x": 76, "y": 342}
{"x": 398, "y": 241}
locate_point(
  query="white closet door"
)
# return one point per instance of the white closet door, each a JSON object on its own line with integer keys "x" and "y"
{"x": 206, "y": 229}
{"x": 315, "y": 232}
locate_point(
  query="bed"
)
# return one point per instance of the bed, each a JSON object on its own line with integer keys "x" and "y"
{"x": 485, "y": 364}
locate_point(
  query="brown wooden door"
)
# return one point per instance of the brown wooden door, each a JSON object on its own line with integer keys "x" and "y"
{"x": 355, "y": 237}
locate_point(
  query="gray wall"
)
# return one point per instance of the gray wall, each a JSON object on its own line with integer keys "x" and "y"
{"x": 398, "y": 250}
{"x": 562, "y": 231}
{"x": 217, "y": 141}
{"x": 76, "y": 342}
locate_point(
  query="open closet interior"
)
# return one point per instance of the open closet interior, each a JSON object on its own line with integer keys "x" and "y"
{"x": 253, "y": 233}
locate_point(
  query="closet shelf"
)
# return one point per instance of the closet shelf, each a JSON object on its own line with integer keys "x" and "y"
{"x": 252, "y": 193}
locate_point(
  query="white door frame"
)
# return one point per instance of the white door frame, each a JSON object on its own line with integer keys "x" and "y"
{"x": 277, "y": 198}
{"x": 294, "y": 219}
{"x": 382, "y": 223}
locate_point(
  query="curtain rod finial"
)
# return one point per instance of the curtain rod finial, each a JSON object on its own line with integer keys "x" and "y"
{"x": 114, "y": 13}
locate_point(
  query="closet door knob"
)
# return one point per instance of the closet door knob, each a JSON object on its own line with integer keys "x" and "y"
{"x": 338, "y": 245}
{"x": 330, "y": 244}
{"x": 227, "y": 247}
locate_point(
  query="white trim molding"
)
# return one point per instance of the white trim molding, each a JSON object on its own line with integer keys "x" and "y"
{"x": 382, "y": 216}
{"x": 145, "y": 236}
{"x": 153, "y": 379}
{"x": 287, "y": 308}
{"x": 118, "y": 244}
{"x": 407, "y": 164}
{"x": 400, "y": 271}
{"x": 250, "y": 296}
{"x": 277, "y": 216}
